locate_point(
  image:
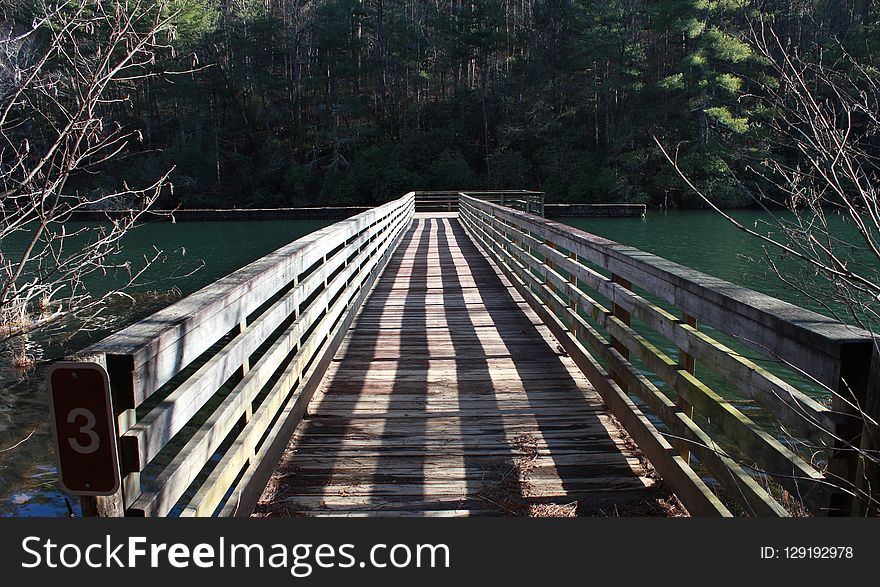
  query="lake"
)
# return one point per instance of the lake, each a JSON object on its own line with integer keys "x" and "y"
{"x": 197, "y": 253}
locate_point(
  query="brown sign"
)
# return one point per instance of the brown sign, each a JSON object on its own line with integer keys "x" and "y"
{"x": 85, "y": 434}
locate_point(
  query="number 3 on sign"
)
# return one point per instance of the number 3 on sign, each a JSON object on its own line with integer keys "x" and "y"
{"x": 88, "y": 429}
{"x": 85, "y": 428}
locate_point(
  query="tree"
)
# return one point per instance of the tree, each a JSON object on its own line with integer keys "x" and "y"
{"x": 68, "y": 76}
{"x": 825, "y": 173}
{"x": 707, "y": 85}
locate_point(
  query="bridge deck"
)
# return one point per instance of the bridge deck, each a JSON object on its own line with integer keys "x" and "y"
{"x": 449, "y": 397}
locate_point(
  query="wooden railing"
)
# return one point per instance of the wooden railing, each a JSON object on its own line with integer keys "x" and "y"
{"x": 561, "y": 272}
{"x": 440, "y": 201}
{"x": 522, "y": 200}
{"x": 209, "y": 390}
{"x": 436, "y": 201}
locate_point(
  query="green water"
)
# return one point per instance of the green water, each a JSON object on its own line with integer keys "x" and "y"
{"x": 705, "y": 241}
{"x": 196, "y": 254}
{"x": 193, "y": 255}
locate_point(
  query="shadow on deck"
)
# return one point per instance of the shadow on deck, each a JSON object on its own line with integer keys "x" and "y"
{"x": 450, "y": 397}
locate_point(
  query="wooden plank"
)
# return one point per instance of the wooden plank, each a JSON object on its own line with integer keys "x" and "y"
{"x": 620, "y": 313}
{"x": 490, "y": 455}
{"x": 410, "y": 414}
{"x": 317, "y": 504}
{"x": 464, "y": 423}
{"x": 347, "y": 513}
{"x": 688, "y": 363}
{"x": 354, "y": 491}
{"x": 392, "y": 441}
{"x": 452, "y": 465}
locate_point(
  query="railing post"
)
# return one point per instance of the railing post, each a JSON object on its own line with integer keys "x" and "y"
{"x": 871, "y": 435}
{"x": 111, "y": 506}
{"x": 551, "y": 264}
{"x": 867, "y": 467}
{"x": 573, "y": 300}
{"x": 689, "y": 364}
{"x": 624, "y": 316}
{"x": 242, "y": 371}
{"x": 856, "y": 397}
{"x": 514, "y": 243}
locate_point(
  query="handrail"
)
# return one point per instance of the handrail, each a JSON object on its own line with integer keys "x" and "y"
{"x": 447, "y": 201}
{"x": 552, "y": 265}
{"x": 209, "y": 389}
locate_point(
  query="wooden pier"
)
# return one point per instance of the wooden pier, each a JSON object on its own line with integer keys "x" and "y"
{"x": 450, "y": 397}
{"x": 482, "y": 360}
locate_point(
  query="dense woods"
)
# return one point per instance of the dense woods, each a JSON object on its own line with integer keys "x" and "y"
{"x": 302, "y": 102}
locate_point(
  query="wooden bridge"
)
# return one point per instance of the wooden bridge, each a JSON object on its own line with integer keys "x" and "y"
{"x": 458, "y": 354}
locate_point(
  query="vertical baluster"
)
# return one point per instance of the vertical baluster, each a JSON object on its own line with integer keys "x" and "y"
{"x": 112, "y": 506}
{"x": 624, "y": 316}
{"x": 551, "y": 264}
{"x": 869, "y": 472}
{"x": 857, "y": 396}
{"x": 688, "y": 363}
{"x": 242, "y": 371}
{"x": 573, "y": 299}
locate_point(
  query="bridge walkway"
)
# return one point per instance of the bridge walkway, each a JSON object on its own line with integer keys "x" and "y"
{"x": 450, "y": 397}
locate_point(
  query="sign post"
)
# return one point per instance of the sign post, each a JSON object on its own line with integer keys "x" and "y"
{"x": 84, "y": 428}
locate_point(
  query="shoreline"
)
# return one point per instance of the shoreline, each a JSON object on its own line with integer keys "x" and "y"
{"x": 336, "y": 213}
